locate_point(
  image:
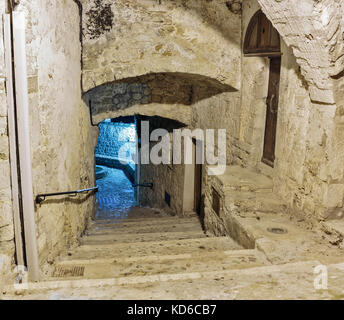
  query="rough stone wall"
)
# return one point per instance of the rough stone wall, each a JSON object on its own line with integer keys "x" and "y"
{"x": 221, "y": 111}
{"x": 6, "y": 214}
{"x": 310, "y": 177}
{"x": 194, "y": 37}
{"x": 166, "y": 178}
{"x": 302, "y": 126}
{"x": 153, "y": 94}
{"x": 308, "y": 170}
{"x": 62, "y": 139}
{"x": 313, "y": 29}
{"x": 113, "y": 136}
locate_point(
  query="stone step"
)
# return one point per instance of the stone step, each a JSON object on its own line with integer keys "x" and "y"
{"x": 142, "y": 237}
{"x": 139, "y": 222}
{"x": 135, "y": 250}
{"x": 146, "y": 228}
{"x": 288, "y": 281}
{"x": 147, "y": 220}
{"x": 243, "y": 179}
{"x": 251, "y": 201}
{"x": 176, "y": 264}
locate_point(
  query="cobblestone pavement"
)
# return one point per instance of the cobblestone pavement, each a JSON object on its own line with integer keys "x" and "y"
{"x": 115, "y": 196}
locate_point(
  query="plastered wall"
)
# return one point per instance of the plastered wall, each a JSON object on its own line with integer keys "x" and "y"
{"x": 62, "y": 140}
{"x": 6, "y": 216}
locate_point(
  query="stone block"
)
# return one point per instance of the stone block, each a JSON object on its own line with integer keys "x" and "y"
{"x": 5, "y": 194}
{"x": 6, "y": 217}
{"x": 3, "y": 126}
{"x": 5, "y": 268}
{"x": 5, "y": 181}
{"x": 7, "y": 233}
{"x": 335, "y": 195}
{"x": 3, "y": 104}
{"x": 4, "y": 148}
{"x": 32, "y": 84}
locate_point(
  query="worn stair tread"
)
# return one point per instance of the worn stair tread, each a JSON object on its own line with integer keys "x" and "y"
{"x": 141, "y": 249}
{"x": 263, "y": 282}
{"x": 148, "y": 220}
{"x": 161, "y": 257}
{"x": 190, "y": 263}
{"x": 255, "y": 201}
{"x": 143, "y": 237}
{"x": 146, "y": 228}
{"x": 244, "y": 179}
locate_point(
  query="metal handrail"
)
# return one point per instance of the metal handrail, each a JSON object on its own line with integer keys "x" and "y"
{"x": 41, "y": 197}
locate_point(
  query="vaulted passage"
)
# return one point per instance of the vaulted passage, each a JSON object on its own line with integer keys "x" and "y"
{"x": 171, "y": 149}
{"x": 115, "y": 156}
{"x": 162, "y": 94}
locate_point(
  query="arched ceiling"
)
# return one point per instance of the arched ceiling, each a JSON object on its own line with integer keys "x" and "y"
{"x": 130, "y": 38}
{"x": 203, "y": 37}
{"x": 168, "y": 95}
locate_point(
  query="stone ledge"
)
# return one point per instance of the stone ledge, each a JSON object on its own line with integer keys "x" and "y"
{"x": 243, "y": 179}
{"x": 117, "y": 164}
{"x": 260, "y": 220}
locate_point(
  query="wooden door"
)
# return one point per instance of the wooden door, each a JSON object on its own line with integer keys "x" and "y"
{"x": 198, "y": 188}
{"x": 271, "y": 111}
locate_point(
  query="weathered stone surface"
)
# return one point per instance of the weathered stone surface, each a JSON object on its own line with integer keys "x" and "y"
{"x": 152, "y": 34}
{"x": 5, "y": 268}
{"x": 5, "y": 181}
{"x": 282, "y": 266}
{"x": 312, "y": 30}
{"x": 6, "y": 222}
{"x": 6, "y": 216}
{"x": 4, "y": 151}
{"x": 62, "y": 140}
{"x": 7, "y": 232}
{"x": 3, "y": 126}
{"x": 3, "y": 105}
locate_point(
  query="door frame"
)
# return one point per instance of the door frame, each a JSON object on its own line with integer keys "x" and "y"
{"x": 189, "y": 181}
{"x": 272, "y": 103}
{"x": 198, "y": 167}
{"x": 271, "y": 48}
{"x": 15, "y": 48}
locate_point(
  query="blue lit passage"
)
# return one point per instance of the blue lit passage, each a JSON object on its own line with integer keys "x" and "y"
{"x": 116, "y": 142}
{"x": 115, "y": 167}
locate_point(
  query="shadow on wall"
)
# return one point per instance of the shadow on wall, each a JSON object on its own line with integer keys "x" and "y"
{"x": 157, "y": 122}
{"x": 163, "y": 88}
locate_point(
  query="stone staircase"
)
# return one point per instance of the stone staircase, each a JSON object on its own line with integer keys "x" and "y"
{"x": 143, "y": 251}
{"x": 146, "y": 247}
{"x": 156, "y": 256}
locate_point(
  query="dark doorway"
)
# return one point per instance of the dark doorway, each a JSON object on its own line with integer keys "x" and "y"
{"x": 261, "y": 39}
{"x": 271, "y": 112}
{"x": 198, "y": 180}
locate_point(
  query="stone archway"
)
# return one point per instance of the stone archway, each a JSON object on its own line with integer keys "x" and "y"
{"x": 169, "y": 95}
{"x": 314, "y": 30}
{"x": 127, "y": 39}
